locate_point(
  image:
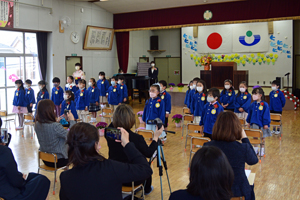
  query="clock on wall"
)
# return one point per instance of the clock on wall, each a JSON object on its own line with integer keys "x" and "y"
{"x": 75, "y": 37}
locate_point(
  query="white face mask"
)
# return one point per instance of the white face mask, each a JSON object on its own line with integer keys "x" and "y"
{"x": 152, "y": 94}
{"x": 194, "y": 86}
{"x": 210, "y": 99}
{"x": 90, "y": 83}
{"x": 119, "y": 82}
{"x": 26, "y": 86}
{"x": 152, "y": 65}
{"x": 100, "y": 77}
{"x": 65, "y": 96}
{"x": 113, "y": 83}
{"x": 274, "y": 88}
{"x": 40, "y": 87}
{"x": 242, "y": 90}
{"x": 227, "y": 87}
{"x": 199, "y": 89}
{"x": 16, "y": 86}
{"x": 77, "y": 68}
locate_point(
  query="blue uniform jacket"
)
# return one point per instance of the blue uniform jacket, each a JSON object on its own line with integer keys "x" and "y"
{"x": 68, "y": 106}
{"x": 154, "y": 108}
{"x": 94, "y": 94}
{"x": 209, "y": 116}
{"x": 123, "y": 92}
{"x": 186, "y": 99}
{"x": 228, "y": 98}
{"x": 277, "y": 100}
{"x": 42, "y": 94}
{"x": 198, "y": 103}
{"x": 103, "y": 86}
{"x": 114, "y": 95}
{"x": 259, "y": 114}
{"x": 166, "y": 97}
{"x": 57, "y": 95}
{"x": 191, "y": 94}
{"x": 82, "y": 99}
{"x": 19, "y": 98}
{"x": 71, "y": 87}
{"x": 30, "y": 96}
{"x": 242, "y": 101}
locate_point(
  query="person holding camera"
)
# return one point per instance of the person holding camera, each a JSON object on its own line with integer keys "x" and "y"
{"x": 93, "y": 176}
{"x": 50, "y": 133}
{"x": 125, "y": 117}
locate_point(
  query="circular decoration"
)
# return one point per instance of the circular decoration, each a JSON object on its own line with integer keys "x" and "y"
{"x": 275, "y": 95}
{"x": 202, "y": 98}
{"x": 249, "y": 33}
{"x": 81, "y": 94}
{"x": 213, "y": 111}
{"x": 162, "y": 97}
{"x": 207, "y": 15}
{"x": 157, "y": 105}
{"x": 245, "y": 97}
{"x": 214, "y": 40}
{"x": 260, "y": 107}
{"x": 114, "y": 90}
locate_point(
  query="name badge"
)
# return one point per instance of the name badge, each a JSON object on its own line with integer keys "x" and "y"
{"x": 162, "y": 97}
{"x": 245, "y": 97}
{"x": 17, "y": 94}
{"x": 28, "y": 92}
{"x": 260, "y": 107}
{"x": 213, "y": 111}
{"x": 114, "y": 90}
{"x": 275, "y": 95}
{"x": 102, "y": 82}
{"x": 121, "y": 87}
{"x": 229, "y": 94}
{"x": 81, "y": 94}
{"x": 92, "y": 90}
{"x": 56, "y": 92}
{"x": 42, "y": 96}
{"x": 202, "y": 98}
{"x": 157, "y": 105}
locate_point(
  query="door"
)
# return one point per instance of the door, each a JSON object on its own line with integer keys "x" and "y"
{"x": 297, "y": 74}
{"x": 174, "y": 70}
{"x": 70, "y": 64}
{"x": 163, "y": 68}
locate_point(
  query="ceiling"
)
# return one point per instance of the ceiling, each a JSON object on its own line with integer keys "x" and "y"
{"x": 125, "y": 6}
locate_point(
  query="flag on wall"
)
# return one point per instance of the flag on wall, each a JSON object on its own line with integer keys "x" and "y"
{"x": 250, "y": 37}
{"x": 215, "y": 39}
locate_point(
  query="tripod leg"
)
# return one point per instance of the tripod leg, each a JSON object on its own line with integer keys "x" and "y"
{"x": 160, "y": 170}
{"x": 166, "y": 167}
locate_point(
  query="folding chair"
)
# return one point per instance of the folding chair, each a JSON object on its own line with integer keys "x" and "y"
{"x": 193, "y": 128}
{"x": 108, "y": 113}
{"x": 3, "y": 113}
{"x": 276, "y": 120}
{"x": 243, "y": 122}
{"x": 30, "y": 123}
{"x": 256, "y": 138}
{"x": 49, "y": 157}
{"x": 199, "y": 141}
{"x": 237, "y": 198}
{"x": 188, "y": 119}
{"x": 132, "y": 189}
{"x": 147, "y": 134}
{"x": 186, "y": 111}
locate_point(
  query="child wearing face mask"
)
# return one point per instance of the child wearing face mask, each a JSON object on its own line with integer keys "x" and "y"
{"x": 154, "y": 108}
{"x": 103, "y": 86}
{"x": 82, "y": 100}
{"x": 78, "y": 74}
{"x": 71, "y": 85}
{"x": 153, "y": 73}
{"x": 123, "y": 89}
{"x": 198, "y": 101}
{"x": 20, "y": 103}
{"x": 42, "y": 94}
{"x": 166, "y": 98}
{"x": 193, "y": 91}
{"x": 94, "y": 94}
{"x": 259, "y": 115}
{"x": 210, "y": 112}
{"x": 57, "y": 95}
{"x": 227, "y": 96}
{"x": 68, "y": 104}
{"x": 114, "y": 94}
{"x": 29, "y": 94}
{"x": 186, "y": 99}
{"x": 242, "y": 101}
{"x": 277, "y": 102}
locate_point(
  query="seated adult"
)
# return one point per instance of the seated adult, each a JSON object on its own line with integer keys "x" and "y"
{"x": 93, "y": 176}
{"x": 226, "y": 131}
{"x": 50, "y": 133}
{"x": 17, "y": 186}
{"x": 211, "y": 177}
{"x": 9, "y": 135}
{"x": 124, "y": 117}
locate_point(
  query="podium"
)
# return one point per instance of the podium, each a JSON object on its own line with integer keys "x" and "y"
{"x": 220, "y": 71}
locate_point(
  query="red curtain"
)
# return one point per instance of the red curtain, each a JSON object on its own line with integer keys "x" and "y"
{"x": 122, "y": 39}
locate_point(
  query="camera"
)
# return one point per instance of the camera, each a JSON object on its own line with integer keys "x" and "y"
{"x": 156, "y": 121}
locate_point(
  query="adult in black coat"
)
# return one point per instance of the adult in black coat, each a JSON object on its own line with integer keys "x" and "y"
{"x": 124, "y": 117}
{"x": 226, "y": 131}
{"x": 153, "y": 73}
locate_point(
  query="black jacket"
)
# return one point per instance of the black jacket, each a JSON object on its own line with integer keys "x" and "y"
{"x": 154, "y": 74}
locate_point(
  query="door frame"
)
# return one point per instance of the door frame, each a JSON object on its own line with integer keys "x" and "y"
{"x": 80, "y": 57}
{"x": 180, "y": 64}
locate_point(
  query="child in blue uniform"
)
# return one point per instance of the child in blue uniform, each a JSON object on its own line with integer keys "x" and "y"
{"x": 123, "y": 89}
{"x": 198, "y": 101}
{"x": 186, "y": 99}
{"x": 68, "y": 104}
{"x": 82, "y": 100}
{"x": 42, "y": 94}
{"x": 277, "y": 102}
{"x": 210, "y": 112}
{"x": 193, "y": 91}
{"x": 227, "y": 96}
{"x": 20, "y": 103}
{"x": 259, "y": 115}
{"x": 114, "y": 94}
{"x": 166, "y": 97}
{"x": 57, "y": 95}
{"x": 103, "y": 86}
{"x": 242, "y": 101}
{"x": 94, "y": 94}
{"x": 154, "y": 108}
{"x": 29, "y": 95}
{"x": 71, "y": 85}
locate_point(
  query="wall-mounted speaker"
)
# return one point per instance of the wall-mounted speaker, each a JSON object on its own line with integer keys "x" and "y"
{"x": 154, "y": 42}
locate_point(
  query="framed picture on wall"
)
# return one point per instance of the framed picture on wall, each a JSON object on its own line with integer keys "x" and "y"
{"x": 98, "y": 38}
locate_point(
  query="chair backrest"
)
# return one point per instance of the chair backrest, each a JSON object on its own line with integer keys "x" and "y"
{"x": 49, "y": 157}
{"x": 3, "y": 113}
{"x": 187, "y": 118}
{"x": 107, "y": 110}
{"x": 185, "y": 110}
{"x": 200, "y": 140}
{"x": 255, "y": 133}
{"x": 275, "y": 117}
{"x": 147, "y": 134}
{"x": 194, "y": 127}
{"x": 237, "y": 198}
{"x": 242, "y": 121}
{"x": 28, "y": 117}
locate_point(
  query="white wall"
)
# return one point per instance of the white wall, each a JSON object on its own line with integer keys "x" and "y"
{"x": 59, "y": 44}
{"x": 139, "y": 43}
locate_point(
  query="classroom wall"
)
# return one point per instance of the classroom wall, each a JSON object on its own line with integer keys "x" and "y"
{"x": 59, "y": 44}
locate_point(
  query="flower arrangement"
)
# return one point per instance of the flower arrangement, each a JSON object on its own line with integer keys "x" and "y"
{"x": 101, "y": 125}
{"x": 205, "y": 60}
{"x": 171, "y": 84}
{"x": 177, "y": 118}
{"x": 140, "y": 113}
{"x": 180, "y": 85}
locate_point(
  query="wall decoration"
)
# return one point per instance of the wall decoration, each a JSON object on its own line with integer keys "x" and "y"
{"x": 98, "y": 38}
{"x": 207, "y": 15}
{"x": 176, "y": 72}
{"x": 6, "y": 14}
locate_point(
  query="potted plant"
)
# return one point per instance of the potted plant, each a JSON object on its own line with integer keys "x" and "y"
{"x": 101, "y": 126}
{"x": 140, "y": 115}
{"x": 180, "y": 86}
{"x": 206, "y": 61}
{"x": 177, "y": 119}
{"x": 171, "y": 86}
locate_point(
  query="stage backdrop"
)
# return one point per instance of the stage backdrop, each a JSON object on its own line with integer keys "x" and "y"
{"x": 249, "y": 45}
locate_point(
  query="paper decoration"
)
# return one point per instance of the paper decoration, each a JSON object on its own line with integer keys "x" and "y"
{"x": 6, "y": 14}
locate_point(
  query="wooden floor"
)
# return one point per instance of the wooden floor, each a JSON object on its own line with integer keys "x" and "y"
{"x": 277, "y": 176}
